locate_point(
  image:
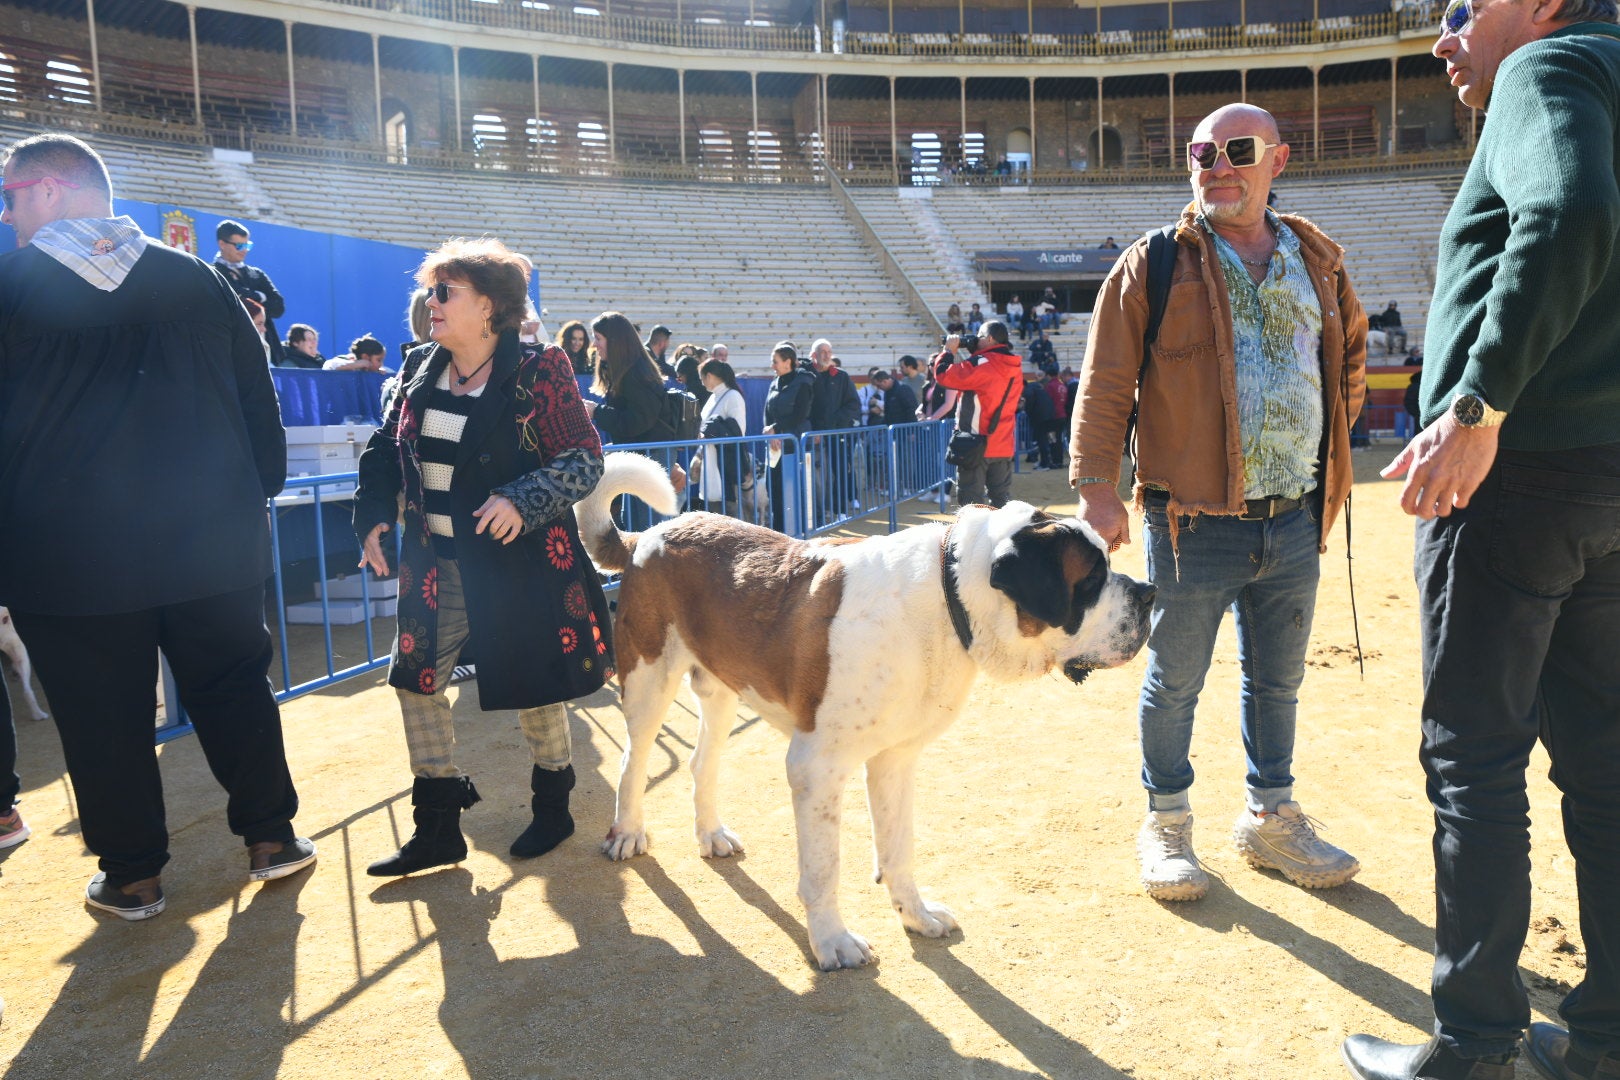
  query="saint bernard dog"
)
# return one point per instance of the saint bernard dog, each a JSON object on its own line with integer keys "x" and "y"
{"x": 797, "y": 629}
{"x": 12, "y": 646}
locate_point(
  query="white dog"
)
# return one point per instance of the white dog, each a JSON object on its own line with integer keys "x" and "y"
{"x": 12, "y": 646}
{"x": 793, "y": 627}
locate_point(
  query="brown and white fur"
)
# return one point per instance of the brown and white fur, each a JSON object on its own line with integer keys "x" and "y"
{"x": 12, "y": 646}
{"x": 847, "y": 647}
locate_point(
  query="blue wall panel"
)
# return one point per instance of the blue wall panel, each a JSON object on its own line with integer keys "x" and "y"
{"x": 371, "y": 288}
{"x": 342, "y": 286}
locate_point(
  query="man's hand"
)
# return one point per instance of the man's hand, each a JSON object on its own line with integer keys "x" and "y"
{"x": 953, "y": 342}
{"x": 1102, "y": 509}
{"x": 1444, "y": 465}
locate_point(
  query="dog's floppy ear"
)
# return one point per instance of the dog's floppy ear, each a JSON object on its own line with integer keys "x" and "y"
{"x": 1039, "y": 567}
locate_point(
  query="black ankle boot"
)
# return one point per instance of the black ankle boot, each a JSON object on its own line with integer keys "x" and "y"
{"x": 438, "y": 803}
{"x": 1375, "y": 1059}
{"x": 552, "y": 823}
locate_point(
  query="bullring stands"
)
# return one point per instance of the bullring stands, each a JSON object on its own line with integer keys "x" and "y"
{"x": 745, "y": 265}
{"x": 750, "y": 265}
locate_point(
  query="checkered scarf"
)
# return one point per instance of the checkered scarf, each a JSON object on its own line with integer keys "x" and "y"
{"x": 100, "y": 250}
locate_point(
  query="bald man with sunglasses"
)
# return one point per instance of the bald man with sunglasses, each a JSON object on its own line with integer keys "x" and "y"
{"x": 1515, "y": 481}
{"x": 1243, "y": 461}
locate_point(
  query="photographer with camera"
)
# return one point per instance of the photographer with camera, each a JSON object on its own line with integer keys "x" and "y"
{"x": 990, "y": 379}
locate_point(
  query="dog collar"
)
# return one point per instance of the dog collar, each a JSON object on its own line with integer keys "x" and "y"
{"x": 953, "y": 598}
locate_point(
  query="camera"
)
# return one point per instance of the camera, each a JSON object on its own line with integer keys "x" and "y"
{"x": 970, "y": 342}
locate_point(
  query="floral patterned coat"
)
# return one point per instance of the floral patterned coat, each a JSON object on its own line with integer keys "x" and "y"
{"x": 535, "y": 606}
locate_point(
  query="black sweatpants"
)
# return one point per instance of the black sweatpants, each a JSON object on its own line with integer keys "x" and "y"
{"x": 101, "y": 672}
{"x": 10, "y": 782}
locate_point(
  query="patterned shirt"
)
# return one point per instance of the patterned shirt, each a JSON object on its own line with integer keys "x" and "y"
{"x": 1277, "y": 336}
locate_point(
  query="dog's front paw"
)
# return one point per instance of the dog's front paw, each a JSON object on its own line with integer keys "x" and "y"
{"x": 929, "y": 920}
{"x": 841, "y": 950}
{"x": 624, "y": 842}
{"x": 41, "y": 715}
{"x": 718, "y": 843}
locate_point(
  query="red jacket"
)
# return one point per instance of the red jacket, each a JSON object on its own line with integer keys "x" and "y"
{"x": 1059, "y": 395}
{"x": 995, "y": 376}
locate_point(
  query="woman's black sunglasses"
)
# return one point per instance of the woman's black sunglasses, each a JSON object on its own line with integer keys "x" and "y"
{"x": 441, "y": 290}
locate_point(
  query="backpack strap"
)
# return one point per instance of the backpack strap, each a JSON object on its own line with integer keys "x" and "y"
{"x": 1161, "y": 268}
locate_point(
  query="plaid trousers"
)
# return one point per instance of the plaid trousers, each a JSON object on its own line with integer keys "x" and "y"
{"x": 430, "y": 733}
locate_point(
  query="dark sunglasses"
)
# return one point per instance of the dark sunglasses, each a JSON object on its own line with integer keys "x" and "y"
{"x": 241, "y": 245}
{"x": 1240, "y": 151}
{"x": 1458, "y": 14}
{"x": 441, "y": 290}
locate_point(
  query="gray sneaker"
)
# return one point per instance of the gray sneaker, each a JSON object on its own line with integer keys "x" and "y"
{"x": 1285, "y": 841}
{"x": 1170, "y": 870}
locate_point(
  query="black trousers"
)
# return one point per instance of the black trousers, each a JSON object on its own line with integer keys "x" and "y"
{"x": 101, "y": 674}
{"x": 1520, "y": 601}
{"x": 10, "y": 782}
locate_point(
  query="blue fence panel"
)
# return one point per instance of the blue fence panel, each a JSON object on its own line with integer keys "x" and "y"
{"x": 811, "y": 487}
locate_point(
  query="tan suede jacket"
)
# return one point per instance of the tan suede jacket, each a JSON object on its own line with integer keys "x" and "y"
{"x": 1188, "y": 439}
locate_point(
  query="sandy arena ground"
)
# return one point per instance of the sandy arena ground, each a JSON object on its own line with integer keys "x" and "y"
{"x": 672, "y": 966}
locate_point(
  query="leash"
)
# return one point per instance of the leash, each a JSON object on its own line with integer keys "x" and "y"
{"x": 953, "y": 598}
{"x": 1350, "y": 575}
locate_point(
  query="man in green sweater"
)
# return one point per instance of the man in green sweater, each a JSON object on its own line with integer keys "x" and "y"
{"x": 1515, "y": 480}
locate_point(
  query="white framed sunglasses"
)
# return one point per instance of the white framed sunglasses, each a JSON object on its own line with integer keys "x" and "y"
{"x": 1240, "y": 151}
{"x": 1457, "y": 16}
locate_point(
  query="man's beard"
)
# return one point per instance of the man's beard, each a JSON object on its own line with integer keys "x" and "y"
{"x": 1221, "y": 212}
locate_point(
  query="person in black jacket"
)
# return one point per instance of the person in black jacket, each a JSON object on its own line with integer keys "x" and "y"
{"x": 576, "y": 342}
{"x": 302, "y": 349}
{"x": 250, "y": 281}
{"x": 488, "y": 443}
{"x": 632, "y": 409}
{"x": 139, "y": 440}
{"x": 632, "y": 390}
{"x": 835, "y": 406}
{"x": 787, "y": 412}
{"x": 899, "y": 400}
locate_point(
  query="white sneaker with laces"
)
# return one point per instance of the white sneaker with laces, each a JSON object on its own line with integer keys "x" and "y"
{"x": 1170, "y": 870}
{"x": 1286, "y": 841}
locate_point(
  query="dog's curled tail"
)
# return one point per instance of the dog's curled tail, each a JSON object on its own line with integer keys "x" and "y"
{"x": 623, "y": 473}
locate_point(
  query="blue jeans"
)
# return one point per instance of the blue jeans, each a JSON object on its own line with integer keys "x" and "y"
{"x": 1265, "y": 572}
{"x": 1520, "y": 602}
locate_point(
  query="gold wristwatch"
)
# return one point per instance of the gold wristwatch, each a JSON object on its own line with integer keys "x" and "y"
{"x": 1472, "y": 411}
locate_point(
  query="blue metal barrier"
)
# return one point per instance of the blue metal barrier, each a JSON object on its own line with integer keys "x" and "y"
{"x": 825, "y": 480}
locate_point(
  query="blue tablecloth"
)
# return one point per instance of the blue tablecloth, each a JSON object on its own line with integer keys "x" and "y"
{"x": 328, "y": 397}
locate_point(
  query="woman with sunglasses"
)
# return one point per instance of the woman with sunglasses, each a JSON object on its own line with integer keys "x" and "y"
{"x": 488, "y": 444}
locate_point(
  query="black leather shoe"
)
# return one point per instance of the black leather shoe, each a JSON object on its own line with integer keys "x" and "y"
{"x": 1555, "y": 1059}
{"x": 1375, "y": 1059}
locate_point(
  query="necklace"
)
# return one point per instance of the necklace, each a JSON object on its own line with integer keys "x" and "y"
{"x": 1258, "y": 264}
{"x": 463, "y": 380}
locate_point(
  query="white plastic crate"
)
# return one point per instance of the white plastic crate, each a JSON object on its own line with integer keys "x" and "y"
{"x": 329, "y": 433}
{"x": 344, "y": 612}
{"x": 320, "y": 452}
{"x": 348, "y": 588}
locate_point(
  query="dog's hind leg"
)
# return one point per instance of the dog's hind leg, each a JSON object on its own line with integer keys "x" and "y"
{"x": 890, "y": 780}
{"x": 717, "y": 710}
{"x": 646, "y": 692}
{"x": 25, "y": 677}
{"x": 817, "y": 776}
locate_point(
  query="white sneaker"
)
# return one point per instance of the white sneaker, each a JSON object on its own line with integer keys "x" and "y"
{"x": 1170, "y": 870}
{"x": 1285, "y": 841}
